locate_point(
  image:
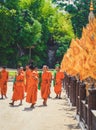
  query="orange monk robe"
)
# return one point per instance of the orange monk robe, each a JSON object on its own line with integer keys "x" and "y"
{"x": 18, "y": 93}
{"x": 27, "y": 75}
{"x": 3, "y": 82}
{"x": 23, "y": 74}
{"x": 32, "y": 88}
{"x": 45, "y": 85}
{"x": 58, "y": 82}
{"x": 50, "y": 78}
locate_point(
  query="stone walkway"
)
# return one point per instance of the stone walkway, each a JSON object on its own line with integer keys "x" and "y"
{"x": 58, "y": 115}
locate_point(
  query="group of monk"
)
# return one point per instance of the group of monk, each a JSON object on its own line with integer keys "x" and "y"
{"x": 27, "y": 82}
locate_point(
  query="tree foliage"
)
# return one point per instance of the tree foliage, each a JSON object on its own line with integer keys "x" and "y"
{"x": 79, "y": 11}
{"x": 29, "y": 24}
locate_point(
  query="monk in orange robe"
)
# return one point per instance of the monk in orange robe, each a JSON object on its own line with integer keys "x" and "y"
{"x": 23, "y": 74}
{"x": 58, "y": 82}
{"x": 27, "y": 76}
{"x": 32, "y": 87}
{"x": 18, "y": 92}
{"x": 3, "y": 82}
{"x": 50, "y": 79}
{"x": 45, "y": 85}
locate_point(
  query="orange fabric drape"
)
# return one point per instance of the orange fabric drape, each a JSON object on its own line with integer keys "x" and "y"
{"x": 80, "y": 57}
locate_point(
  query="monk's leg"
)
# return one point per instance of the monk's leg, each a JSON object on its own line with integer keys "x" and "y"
{"x": 49, "y": 91}
{"x": 45, "y": 102}
{"x": 1, "y": 96}
{"x": 60, "y": 95}
{"x": 49, "y": 94}
{"x": 20, "y": 102}
{"x": 2, "y": 92}
{"x": 5, "y": 96}
{"x": 32, "y": 105}
{"x": 33, "y": 101}
{"x": 12, "y": 103}
{"x": 5, "y": 87}
{"x": 56, "y": 96}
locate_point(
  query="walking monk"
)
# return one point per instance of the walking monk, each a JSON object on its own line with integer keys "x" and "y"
{"x": 45, "y": 85}
{"x": 32, "y": 87}
{"x": 50, "y": 79}
{"x": 58, "y": 82}
{"x": 3, "y": 82}
{"x": 22, "y": 71}
{"x": 18, "y": 91}
{"x": 27, "y": 75}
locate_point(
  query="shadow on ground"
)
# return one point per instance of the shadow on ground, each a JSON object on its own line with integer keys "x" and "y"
{"x": 72, "y": 126}
{"x": 28, "y": 109}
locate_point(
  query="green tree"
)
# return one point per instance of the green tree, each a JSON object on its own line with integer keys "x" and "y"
{"x": 26, "y": 30}
{"x": 55, "y": 25}
{"x": 79, "y": 13}
{"x": 62, "y": 32}
{"x": 6, "y": 35}
{"x": 10, "y": 4}
{"x": 28, "y": 34}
